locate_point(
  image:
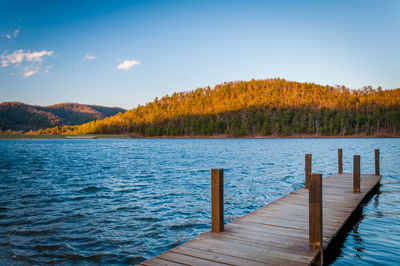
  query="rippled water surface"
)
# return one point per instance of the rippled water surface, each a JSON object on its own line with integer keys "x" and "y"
{"x": 122, "y": 201}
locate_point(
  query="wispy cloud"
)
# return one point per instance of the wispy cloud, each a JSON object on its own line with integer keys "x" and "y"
{"x": 48, "y": 68}
{"x": 127, "y": 64}
{"x": 89, "y": 57}
{"x": 29, "y": 61}
{"x": 28, "y": 73}
{"x": 13, "y": 35}
{"x": 19, "y": 56}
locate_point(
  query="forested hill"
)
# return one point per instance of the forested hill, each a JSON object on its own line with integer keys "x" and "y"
{"x": 258, "y": 107}
{"x": 19, "y": 116}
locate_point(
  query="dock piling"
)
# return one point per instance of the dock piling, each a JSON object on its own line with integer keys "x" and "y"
{"x": 377, "y": 170}
{"x": 277, "y": 232}
{"x": 340, "y": 161}
{"x": 356, "y": 174}
{"x": 315, "y": 211}
{"x": 217, "y": 200}
{"x": 308, "y": 158}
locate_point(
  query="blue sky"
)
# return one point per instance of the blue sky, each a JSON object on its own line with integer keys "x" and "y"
{"x": 125, "y": 53}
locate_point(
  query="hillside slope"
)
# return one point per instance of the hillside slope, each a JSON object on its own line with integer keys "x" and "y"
{"x": 258, "y": 107}
{"x": 20, "y": 116}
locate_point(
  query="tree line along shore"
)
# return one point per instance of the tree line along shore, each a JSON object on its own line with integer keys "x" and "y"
{"x": 256, "y": 108}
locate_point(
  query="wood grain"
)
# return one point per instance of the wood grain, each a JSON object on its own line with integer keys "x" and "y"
{"x": 277, "y": 233}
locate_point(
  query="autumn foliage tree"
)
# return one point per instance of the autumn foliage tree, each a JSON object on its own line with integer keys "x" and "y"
{"x": 257, "y": 107}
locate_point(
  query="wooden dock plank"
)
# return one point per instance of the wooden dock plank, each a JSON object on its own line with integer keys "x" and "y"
{"x": 220, "y": 258}
{"x": 157, "y": 261}
{"x": 331, "y": 220}
{"x": 244, "y": 251}
{"x": 293, "y": 223}
{"x": 258, "y": 244}
{"x": 187, "y": 259}
{"x": 284, "y": 223}
{"x": 270, "y": 240}
{"x": 277, "y": 233}
{"x": 261, "y": 228}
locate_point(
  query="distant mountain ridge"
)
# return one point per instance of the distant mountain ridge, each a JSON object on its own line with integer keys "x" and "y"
{"x": 20, "y": 116}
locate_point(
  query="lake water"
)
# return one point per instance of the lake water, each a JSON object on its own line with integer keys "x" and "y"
{"x": 121, "y": 201}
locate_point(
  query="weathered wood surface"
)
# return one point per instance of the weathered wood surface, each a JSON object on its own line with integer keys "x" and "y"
{"x": 217, "y": 200}
{"x": 315, "y": 211}
{"x": 276, "y": 234}
{"x": 307, "y": 171}
{"x": 356, "y": 174}
{"x": 377, "y": 170}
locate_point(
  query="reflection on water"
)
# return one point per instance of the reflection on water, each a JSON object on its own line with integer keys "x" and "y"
{"x": 357, "y": 239}
{"x": 376, "y": 239}
{"x": 122, "y": 201}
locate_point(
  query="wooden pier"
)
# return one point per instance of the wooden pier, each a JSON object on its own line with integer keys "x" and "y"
{"x": 293, "y": 230}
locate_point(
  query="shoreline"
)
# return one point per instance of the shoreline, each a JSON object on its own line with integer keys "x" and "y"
{"x": 127, "y": 136}
{"x": 297, "y": 136}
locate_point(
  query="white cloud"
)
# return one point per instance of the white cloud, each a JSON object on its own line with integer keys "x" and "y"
{"x": 29, "y": 61}
{"x": 29, "y": 73}
{"x": 19, "y": 56}
{"x": 12, "y": 36}
{"x": 127, "y": 64}
{"x": 37, "y": 56}
{"x": 15, "y": 58}
{"x": 89, "y": 57}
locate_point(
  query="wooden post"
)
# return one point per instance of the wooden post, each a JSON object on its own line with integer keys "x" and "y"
{"x": 308, "y": 169}
{"x": 315, "y": 211}
{"x": 356, "y": 174}
{"x": 340, "y": 160}
{"x": 217, "y": 200}
{"x": 377, "y": 170}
